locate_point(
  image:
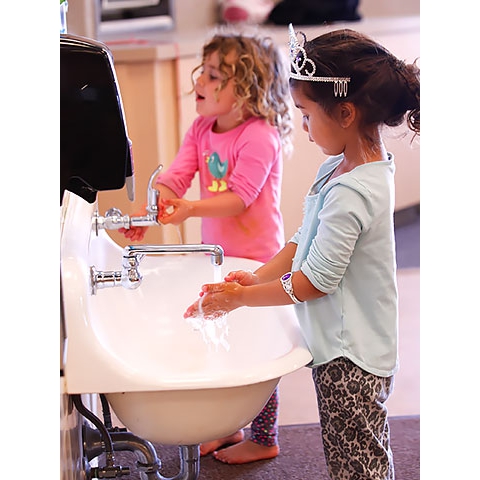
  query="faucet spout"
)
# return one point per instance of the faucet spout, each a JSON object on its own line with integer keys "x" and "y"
{"x": 150, "y": 218}
{"x": 114, "y": 219}
{"x": 133, "y": 254}
{"x": 152, "y": 193}
{"x": 130, "y": 276}
{"x": 215, "y": 251}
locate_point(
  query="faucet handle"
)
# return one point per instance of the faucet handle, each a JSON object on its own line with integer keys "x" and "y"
{"x": 152, "y": 194}
{"x": 113, "y": 212}
{"x": 113, "y": 220}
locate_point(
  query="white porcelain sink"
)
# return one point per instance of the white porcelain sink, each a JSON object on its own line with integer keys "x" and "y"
{"x": 167, "y": 381}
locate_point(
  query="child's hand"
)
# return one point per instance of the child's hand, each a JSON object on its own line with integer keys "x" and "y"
{"x": 216, "y": 299}
{"x": 135, "y": 234}
{"x": 174, "y": 210}
{"x": 243, "y": 277}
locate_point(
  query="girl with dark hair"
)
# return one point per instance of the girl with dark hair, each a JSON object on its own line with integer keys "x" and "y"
{"x": 339, "y": 269}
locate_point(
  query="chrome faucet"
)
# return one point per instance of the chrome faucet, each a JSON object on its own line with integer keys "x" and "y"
{"x": 131, "y": 278}
{"x": 114, "y": 219}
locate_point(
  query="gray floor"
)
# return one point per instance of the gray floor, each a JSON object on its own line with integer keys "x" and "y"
{"x": 301, "y": 456}
{"x": 407, "y": 237}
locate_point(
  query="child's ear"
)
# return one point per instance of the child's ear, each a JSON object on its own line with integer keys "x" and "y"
{"x": 348, "y": 114}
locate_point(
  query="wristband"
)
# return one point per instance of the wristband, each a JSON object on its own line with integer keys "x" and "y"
{"x": 286, "y": 281}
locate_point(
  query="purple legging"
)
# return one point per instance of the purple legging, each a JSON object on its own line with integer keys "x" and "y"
{"x": 264, "y": 428}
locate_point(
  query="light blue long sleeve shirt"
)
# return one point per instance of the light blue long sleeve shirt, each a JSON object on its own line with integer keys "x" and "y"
{"x": 346, "y": 248}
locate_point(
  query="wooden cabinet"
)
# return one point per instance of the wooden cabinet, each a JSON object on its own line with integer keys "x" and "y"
{"x": 149, "y": 93}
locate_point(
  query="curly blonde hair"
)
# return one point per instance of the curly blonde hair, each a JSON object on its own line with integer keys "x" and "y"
{"x": 260, "y": 74}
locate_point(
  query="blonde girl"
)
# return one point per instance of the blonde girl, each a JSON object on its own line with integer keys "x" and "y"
{"x": 236, "y": 145}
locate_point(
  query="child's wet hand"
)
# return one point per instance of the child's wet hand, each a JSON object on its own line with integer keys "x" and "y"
{"x": 215, "y": 299}
{"x": 243, "y": 277}
{"x": 192, "y": 310}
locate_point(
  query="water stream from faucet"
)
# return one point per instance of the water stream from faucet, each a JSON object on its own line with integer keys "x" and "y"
{"x": 214, "y": 330}
{"x": 217, "y": 273}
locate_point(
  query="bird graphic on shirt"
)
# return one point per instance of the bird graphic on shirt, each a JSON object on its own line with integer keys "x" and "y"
{"x": 218, "y": 169}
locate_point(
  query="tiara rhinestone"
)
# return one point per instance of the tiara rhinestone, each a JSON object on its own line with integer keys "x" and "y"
{"x": 299, "y": 62}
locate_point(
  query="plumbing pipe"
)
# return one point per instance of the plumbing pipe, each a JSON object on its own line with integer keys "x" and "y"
{"x": 190, "y": 457}
{"x": 147, "y": 461}
{"x": 107, "y": 417}
{"x": 77, "y": 401}
{"x": 95, "y": 442}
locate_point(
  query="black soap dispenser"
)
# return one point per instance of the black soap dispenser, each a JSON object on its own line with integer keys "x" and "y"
{"x": 95, "y": 151}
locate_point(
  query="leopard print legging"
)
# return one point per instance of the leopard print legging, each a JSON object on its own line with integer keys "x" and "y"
{"x": 353, "y": 416}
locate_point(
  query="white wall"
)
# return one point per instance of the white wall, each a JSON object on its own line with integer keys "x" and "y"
{"x": 81, "y": 17}
{"x": 383, "y": 8}
{"x": 189, "y": 15}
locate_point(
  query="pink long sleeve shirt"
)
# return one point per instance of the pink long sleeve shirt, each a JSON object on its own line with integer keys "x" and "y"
{"x": 246, "y": 160}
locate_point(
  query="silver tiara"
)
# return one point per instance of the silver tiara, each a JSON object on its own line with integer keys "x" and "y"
{"x": 299, "y": 61}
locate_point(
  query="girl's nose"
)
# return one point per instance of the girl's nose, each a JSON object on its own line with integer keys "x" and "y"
{"x": 199, "y": 80}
